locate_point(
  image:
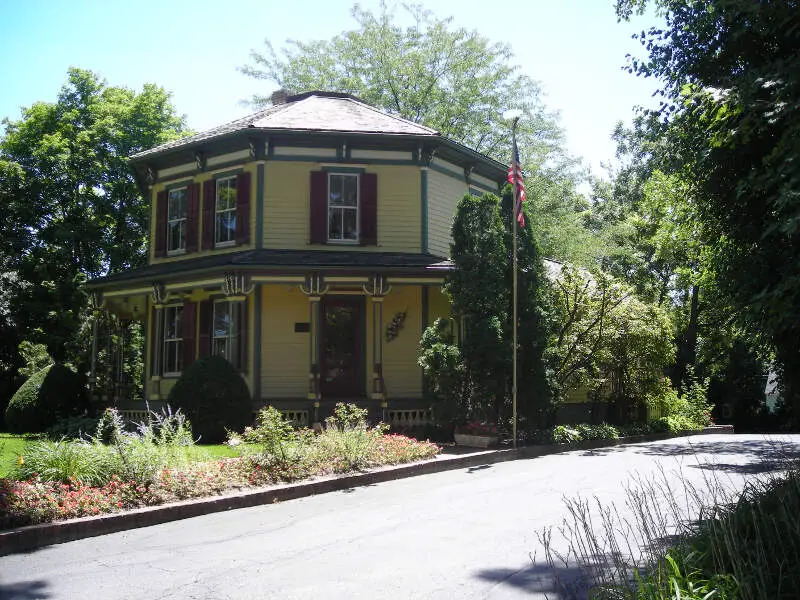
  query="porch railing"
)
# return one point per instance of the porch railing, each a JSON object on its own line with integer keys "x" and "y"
{"x": 409, "y": 417}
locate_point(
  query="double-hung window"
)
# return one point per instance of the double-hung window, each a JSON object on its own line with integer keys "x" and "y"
{"x": 173, "y": 357}
{"x": 343, "y": 190}
{"x": 225, "y": 212}
{"x": 224, "y": 338}
{"x": 176, "y": 221}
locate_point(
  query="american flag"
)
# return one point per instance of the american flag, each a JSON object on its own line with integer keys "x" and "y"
{"x": 515, "y": 179}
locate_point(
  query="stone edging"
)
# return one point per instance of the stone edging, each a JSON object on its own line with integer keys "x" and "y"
{"x": 30, "y": 537}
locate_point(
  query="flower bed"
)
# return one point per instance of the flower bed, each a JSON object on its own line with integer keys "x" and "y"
{"x": 303, "y": 455}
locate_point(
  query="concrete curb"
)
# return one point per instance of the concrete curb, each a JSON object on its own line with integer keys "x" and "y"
{"x": 28, "y": 538}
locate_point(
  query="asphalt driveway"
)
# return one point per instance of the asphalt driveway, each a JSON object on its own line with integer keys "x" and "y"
{"x": 470, "y": 533}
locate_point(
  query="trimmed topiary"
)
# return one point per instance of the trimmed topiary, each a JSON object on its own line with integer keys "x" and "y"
{"x": 213, "y": 396}
{"x": 52, "y": 393}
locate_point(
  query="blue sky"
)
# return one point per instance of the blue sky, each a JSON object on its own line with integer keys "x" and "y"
{"x": 575, "y": 48}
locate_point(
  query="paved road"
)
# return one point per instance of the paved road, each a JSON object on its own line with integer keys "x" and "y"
{"x": 461, "y": 534}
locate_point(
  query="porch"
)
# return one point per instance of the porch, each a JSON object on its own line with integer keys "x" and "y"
{"x": 302, "y": 341}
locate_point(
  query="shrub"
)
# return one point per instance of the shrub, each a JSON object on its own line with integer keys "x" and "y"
{"x": 281, "y": 449}
{"x": 61, "y": 460}
{"x": 73, "y": 428}
{"x": 347, "y": 439}
{"x": 214, "y": 397}
{"x": 110, "y": 426}
{"x": 55, "y": 391}
{"x": 563, "y": 434}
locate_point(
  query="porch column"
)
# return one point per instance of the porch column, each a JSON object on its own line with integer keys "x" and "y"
{"x": 377, "y": 290}
{"x": 236, "y": 287}
{"x": 159, "y": 300}
{"x": 314, "y": 288}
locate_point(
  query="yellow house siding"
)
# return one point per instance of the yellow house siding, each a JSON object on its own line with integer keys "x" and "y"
{"x": 284, "y": 353}
{"x": 286, "y": 207}
{"x": 401, "y": 373}
{"x": 201, "y": 178}
{"x": 444, "y": 192}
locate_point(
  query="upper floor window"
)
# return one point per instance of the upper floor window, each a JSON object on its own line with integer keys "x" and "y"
{"x": 225, "y": 212}
{"x": 173, "y": 357}
{"x": 176, "y": 220}
{"x": 343, "y": 191}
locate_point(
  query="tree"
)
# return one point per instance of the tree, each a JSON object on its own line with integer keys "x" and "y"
{"x": 450, "y": 79}
{"x": 479, "y": 367}
{"x": 73, "y": 209}
{"x": 730, "y": 75}
{"x": 478, "y": 293}
{"x": 606, "y": 340}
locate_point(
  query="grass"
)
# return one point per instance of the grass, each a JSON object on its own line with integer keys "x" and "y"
{"x": 11, "y": 446}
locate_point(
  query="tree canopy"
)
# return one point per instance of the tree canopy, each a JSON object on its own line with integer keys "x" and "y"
{"x": 447, "y": 78}
{"x": 72, "y": 209}
{"x": 730, "y": 77}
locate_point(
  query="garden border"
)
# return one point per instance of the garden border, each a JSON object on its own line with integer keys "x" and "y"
{"x": 31, "y": 537}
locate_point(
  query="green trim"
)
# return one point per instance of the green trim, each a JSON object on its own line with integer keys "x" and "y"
{"x": 195, "y": 171}
{"x": 448, "y": 172}
{"x": 425, "y": 306}
{"x": 226, "y": 174}
{"x": 260, "y": 206}
{"x": 424, "y": 321}
{"x": 257, "y": 344}
{"x": 481, "y": 187}
{"x": 187, "y": 181}
{"x": 424, "y": 210}
{"x": 358, "y": 170}
{"x": 331, "y": 159}
{"x": 147, "y": 349}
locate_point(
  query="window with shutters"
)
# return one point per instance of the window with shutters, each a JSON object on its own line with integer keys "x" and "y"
{"x": 173, "y": 357}
{"x": 176, "y": 221}
{"x": 224, "y": 340}
{"x": 343, "y": 192}
{"x": 225, "y": 213}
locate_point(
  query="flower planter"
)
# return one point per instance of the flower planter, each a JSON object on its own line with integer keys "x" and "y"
{"x": 477, "y": 441}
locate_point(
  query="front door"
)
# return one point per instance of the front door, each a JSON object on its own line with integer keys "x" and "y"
{"x": 342, "y": 347}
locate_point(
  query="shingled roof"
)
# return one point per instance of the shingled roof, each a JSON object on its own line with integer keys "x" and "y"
{"x": 324, "y": 112}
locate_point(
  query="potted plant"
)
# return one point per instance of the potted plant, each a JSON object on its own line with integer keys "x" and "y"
{"x": 477, "y": 434}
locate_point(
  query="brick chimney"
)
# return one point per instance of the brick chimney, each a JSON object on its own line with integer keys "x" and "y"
{"x": 279, "y": 97}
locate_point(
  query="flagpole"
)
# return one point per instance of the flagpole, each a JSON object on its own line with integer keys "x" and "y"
{"x": 514, "y": 287}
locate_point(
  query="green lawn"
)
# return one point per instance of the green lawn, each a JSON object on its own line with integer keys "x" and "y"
{"x": 11, "y": 446}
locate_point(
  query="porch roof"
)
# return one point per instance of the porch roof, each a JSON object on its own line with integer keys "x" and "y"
{"x": 268, "y": 260}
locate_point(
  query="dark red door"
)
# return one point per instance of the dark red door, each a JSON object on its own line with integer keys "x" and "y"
{"x": 343, "y": 347}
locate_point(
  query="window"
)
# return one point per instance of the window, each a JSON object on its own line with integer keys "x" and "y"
{"x": 342, "y": 207}
{"x": 225, "y": 220}
{"x": 173, "y": 358}
{"x": 224, "y": 332}
{"x": 176, "y": 221}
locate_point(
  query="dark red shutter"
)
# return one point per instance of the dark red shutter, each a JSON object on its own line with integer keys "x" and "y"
{"x": 318, "y": 207}
{"x": 192, "y": 213}
{"x": 243, "y": 208}
{"x": 368, "y": 209}
{"x": 161, "y": 224}
{"x": 188, "y": 324}
{"x": 242, "y": 336}
{"x": 206, "y": 310}
{"x": 209, "y": 206}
